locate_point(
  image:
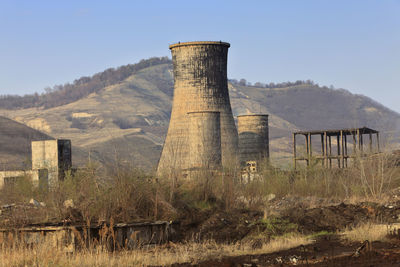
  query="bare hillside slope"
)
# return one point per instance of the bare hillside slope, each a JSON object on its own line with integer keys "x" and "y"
{"x": 127, "y": 121}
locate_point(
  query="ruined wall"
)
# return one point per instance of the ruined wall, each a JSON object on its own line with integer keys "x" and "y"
{"x": 253, "y": 137}
{"x": 53, "y": 155}
{"x": 200, "y": 76}
{"x": 50, "y": 160}
{"x": 72, "y": 238}
{"x": 10, "y": 177}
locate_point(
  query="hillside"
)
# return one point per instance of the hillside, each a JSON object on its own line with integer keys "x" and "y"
{"x": 127, "y": 120}
{"x": 15, "y": 144}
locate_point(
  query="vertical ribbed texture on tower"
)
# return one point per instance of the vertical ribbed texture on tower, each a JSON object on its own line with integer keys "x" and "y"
{"x": 200, "y": 76}
{"x": 253, "y": 137}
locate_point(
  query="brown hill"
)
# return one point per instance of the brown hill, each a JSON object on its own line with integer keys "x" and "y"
{"x": 127, "y": 120}
{"x": 15, "y": 144}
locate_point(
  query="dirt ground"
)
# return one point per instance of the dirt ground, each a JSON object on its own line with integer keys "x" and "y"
{"x": 303, "y": 215}
{"x": 328, "y": 250}
{"x": 322, "y": 253}
{"x": 234, "y": 225}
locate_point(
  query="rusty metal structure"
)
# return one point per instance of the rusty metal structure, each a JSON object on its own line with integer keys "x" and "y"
{"x": 253, "y": 138}
{"x": 201, "y": 85}
{"x": 340, "y": 153}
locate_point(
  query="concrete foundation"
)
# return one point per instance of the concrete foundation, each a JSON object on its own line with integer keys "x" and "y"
{"x": 72, "y": 238}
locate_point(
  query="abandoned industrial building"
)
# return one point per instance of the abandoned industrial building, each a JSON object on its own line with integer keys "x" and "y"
{"x": 50, "y": 161}
{"x": 202, "y": 132}
{"x": 326, "y": 154}
{"x": 202, "y": 140}
{"x": 200, "y": 85}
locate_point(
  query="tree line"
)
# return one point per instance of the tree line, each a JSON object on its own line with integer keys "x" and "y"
{"x": 244, "y": 82}
{"x": 63, "y": 94}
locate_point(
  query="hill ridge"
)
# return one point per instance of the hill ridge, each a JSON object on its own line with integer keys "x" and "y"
{"x": 128, "y": 120}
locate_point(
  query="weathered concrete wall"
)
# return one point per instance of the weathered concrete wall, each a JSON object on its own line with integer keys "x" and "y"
{"x": 71, "y": 238}
{"x": 200, "y": 76}
{"x": 50, "y": 160}
{"x": 205, "y": 140}
{"x": 45, "y": 156}
{"x": 12, "y": 176}
{"x": 53, "y": 155}
{"x": 253, "y": 137}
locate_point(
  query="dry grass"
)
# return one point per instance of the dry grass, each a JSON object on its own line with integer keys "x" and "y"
{"x": 368, "y": 231}
{"x": 366, "y": 179}
{"x": 44, "y": 255}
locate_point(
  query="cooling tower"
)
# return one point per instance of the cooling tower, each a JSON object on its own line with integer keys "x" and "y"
{"x": 204, "y": 140}
{"x": 253, "y": 137}
{"x": 200, "y": 76}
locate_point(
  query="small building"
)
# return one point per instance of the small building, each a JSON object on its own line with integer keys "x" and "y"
{"x": 54, "y": 156}
{"x": 327, "y": 154}
{"x": 50, "y": 161}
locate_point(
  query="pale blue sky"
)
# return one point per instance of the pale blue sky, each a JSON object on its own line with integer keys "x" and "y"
{"x": 349, "y": 44}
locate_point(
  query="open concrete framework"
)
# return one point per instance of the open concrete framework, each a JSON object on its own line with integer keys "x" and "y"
{"x": 342, "y": 156}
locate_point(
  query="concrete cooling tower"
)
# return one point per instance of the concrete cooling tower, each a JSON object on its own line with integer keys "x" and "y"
{"x": 253, "y": 137}
{"x": 204, "y": 140}
{"x": 201, "y": 85}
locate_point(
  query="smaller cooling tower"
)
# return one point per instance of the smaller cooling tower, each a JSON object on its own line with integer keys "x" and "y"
{"x": 204, "y": 140}
{"x": 253, "y": 137}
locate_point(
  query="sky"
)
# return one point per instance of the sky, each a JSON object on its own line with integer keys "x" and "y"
{"x": 351, "y": 44}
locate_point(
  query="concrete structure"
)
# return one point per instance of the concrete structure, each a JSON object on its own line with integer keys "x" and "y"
{"x": 204, "y": 140}
{"x": 200, "y": 76}
{"x": 342, "y": 152}
{"x": 54, "y": 156}
{"x": 50, "y": 160}
{"x": 9, "y": 178}
{"x": 253, "y": 138}
{"x": 72, "y": 238}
